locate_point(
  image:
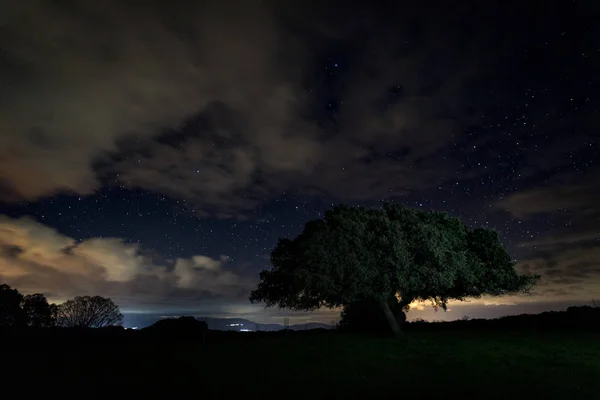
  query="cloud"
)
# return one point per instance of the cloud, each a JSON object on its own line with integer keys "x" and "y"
{"x": 97, "y": 73}
{"x": 559, "y": 196}
{"x": 498, "y": 303}
{"x": 569, "y": 199}
{"x": 36, "y": 258}
{"x": 216, "y": 104}
{"x": 192, "y": 272}
{"x": 567, "y": 256}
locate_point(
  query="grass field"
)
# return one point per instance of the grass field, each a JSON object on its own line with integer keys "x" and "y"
{"x": 426, "y": 364}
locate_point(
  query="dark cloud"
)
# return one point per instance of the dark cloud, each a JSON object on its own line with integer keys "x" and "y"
{"x": 568, "y": 253}
{"x": 214, "y": 103}
{"x": 567, "y": 193}
{"x": 95, "y": 73}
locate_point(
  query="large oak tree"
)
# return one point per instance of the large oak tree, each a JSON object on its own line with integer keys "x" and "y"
{"x": 355, "y": 253}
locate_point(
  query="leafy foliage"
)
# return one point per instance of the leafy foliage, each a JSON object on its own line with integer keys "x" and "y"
{"x": 89, "y": 312}
{"x": 355, "y": 253}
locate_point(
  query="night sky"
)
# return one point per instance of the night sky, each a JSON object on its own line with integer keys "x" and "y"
{"x": 155, "y": 152}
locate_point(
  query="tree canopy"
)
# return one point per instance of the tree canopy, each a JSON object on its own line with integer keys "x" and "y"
{"x": 356, "y": 253}
{"x": 11, "y": 313}
{"x": 89, "y": 312}
{"x": 33, "y": 310}
{"x": 38, "y": 312}
{"x": 19, "y": 311}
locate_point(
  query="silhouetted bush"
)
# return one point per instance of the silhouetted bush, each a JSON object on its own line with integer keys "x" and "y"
{"x": 181, "y": 328}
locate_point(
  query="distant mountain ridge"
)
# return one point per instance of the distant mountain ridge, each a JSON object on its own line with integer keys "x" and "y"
{"x": 241, "y": 324}
{"x": 223, "y": 324}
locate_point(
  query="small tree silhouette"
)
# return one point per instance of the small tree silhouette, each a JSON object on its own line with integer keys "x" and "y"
{"x": 89, "y": 312}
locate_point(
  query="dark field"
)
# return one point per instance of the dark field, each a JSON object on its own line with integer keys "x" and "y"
{"x": 317, "y": 365}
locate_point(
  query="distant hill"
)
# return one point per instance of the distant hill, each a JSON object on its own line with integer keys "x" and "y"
{"x": 240, "y": 324}
{"x": 222, "y": 324}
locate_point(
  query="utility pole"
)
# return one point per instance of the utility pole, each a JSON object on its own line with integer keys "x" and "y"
{"x": 286, "y": 323}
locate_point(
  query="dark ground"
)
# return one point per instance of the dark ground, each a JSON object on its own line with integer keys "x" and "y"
{"x": 310, "y": 365}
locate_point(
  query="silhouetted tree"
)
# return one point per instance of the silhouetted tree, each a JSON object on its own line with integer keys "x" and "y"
{"x": 89, "y": 312}
{"x": 354, "y": 253}
{"x": 11, "y": 313}
{"x": 32, "y": 310}
{"x": 38, "y": 313}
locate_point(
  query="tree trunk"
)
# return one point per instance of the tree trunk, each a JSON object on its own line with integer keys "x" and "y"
{"x": 391, "y": 318}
